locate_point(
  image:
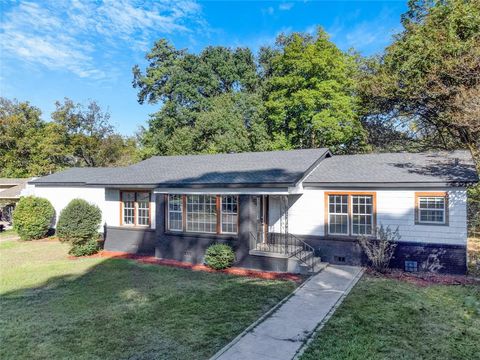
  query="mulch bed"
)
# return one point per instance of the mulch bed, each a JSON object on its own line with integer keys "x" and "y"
{"x": 267, "y": 275}
{"x": 426, "y": 279}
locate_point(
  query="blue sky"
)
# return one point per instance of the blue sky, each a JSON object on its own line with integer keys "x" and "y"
{"x": 86, "y": 49}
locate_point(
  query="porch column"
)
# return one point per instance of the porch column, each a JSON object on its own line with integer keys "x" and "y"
{"x": 247, "y": 225}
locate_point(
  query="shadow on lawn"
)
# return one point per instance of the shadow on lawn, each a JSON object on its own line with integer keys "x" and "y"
{"x": 123, "y": 309}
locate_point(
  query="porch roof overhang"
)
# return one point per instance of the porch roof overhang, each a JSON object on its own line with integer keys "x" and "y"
{"x": 232, "y": 190}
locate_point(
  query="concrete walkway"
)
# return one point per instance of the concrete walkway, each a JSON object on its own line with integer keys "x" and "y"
{"x": 280, "y": 335}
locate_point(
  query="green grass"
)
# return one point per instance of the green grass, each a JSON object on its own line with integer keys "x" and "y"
{"x": 389, "y": 319}
{"x": 7, "y": 233}
{"x": 53, "y": 307}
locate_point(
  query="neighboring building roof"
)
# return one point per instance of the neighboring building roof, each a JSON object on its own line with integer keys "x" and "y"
{"x": 12, "y": 181}
{"x": 430, "y": 168}
{"x": 13, "y": 192}
{"x": 276, "y": 168}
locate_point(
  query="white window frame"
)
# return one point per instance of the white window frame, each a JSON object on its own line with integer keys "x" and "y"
{"x": 444, "y": 210}
{"x": 222, "y": 231}
{"x": 353, "y": 214}
{"x": 175, "y": 211}
{"x": 204, "y": 213}
{"x": 135, "y": 208}
{"x": 138, "y": 209}
{"x": 125, "y": 208}
{"x": 342, "y": 214}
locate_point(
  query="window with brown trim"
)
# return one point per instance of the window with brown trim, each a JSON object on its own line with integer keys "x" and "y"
{"x": 431, "y": 208}
{"x": 211, "y": 214}
{"x": 350, "y": 213}
{"x": 135, "y": 208}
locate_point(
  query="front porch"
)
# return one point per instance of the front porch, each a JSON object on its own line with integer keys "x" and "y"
{"x": 272, "y": 237}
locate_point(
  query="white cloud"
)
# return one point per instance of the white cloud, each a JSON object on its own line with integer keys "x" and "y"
{"x": 269, "y": 10}
{"x": 285, "y": 6}
{"x": 72, "y": 35}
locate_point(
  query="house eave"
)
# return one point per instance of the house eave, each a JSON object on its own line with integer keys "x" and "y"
{"x": 387, "y": 185}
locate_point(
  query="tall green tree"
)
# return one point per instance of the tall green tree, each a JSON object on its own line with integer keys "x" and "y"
{"x": 187, "y": 87}
{"x": 232, "y": 123}
{"x": 28, "y": 145}
{"x": 310, "y": 96}
{"x": 429, "y": 77}
{"x": 90, "y": 137}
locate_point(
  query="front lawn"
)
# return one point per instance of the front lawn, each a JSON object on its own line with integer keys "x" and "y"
{"x": 390, "y": 319}
{"x": 53, "y": 307}
{"x": 7, "y": 233}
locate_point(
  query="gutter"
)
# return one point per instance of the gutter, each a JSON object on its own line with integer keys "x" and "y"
{"x": 387, "y": 185}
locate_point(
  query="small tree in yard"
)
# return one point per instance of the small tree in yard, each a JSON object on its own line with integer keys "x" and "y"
{"x": 380, "y": 250}
{"x": 78, "y": 224}
{"x": 219, "y": 256}
{"x": 33, "y": 217}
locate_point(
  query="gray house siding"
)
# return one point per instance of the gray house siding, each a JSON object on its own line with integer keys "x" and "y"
{"x": 130, "y": 240}
{"x": 189, "y": 247}
{"x": 441, "y": 258}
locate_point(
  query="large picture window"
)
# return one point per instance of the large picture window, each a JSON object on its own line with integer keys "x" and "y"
{"x": 135, "y": 208}
{"x": 431, "y": 208}
{"x": 212, "y": 214}
{"x": 201, "y": 213}
{"x": 350, "y": 214}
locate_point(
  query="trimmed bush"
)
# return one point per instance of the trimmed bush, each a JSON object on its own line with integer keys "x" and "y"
{"x": 219, "y": 256}
{"x": 32, "y": 217}
{"x": 88, "y": 248}
{"x": 78, "y": 224}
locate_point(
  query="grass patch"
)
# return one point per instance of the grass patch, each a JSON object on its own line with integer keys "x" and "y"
{"x": 389, "y": 319}
{"x": 474, "y": 256}
{"x": 7, "y": 233}
{"x": 53, "y": 307}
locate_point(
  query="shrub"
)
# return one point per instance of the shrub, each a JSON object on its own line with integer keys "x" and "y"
{"x": 78, "y": 224}
{"x": 219, "y": 256}
{"x": 32, "y": 217}
{"x": 380, "y": 250}
{"x": 88, "y": 248}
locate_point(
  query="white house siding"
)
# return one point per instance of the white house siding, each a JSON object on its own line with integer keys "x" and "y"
{"x": 108, "y": 200}
{"x": 394, "y": 208}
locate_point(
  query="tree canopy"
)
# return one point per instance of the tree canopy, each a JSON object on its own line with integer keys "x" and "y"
{"x": 422, "y": 93}
{"x": 30, "y": 146}
{"x": 429, "y": 77}
{"x": 309, "y": 95}
{"x": 298, "y": 94}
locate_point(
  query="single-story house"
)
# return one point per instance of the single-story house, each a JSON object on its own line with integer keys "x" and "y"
{"x": 10, "y": 192}
{"x": 281, "y": 210}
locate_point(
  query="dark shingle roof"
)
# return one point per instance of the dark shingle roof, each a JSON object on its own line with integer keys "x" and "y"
{"x": 429, "y": 168}
{"x": 264, "y": 168}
